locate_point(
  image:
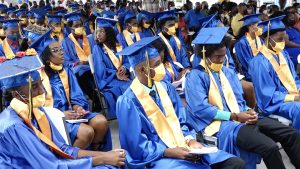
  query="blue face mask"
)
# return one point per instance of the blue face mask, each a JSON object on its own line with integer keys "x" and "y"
{"x": 13, "y": 37}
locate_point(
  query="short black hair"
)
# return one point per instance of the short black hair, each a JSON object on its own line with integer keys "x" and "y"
{"x": 162, "y": 22}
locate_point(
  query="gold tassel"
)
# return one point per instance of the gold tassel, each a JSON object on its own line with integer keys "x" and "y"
{"x": 148, "y": 71}
{"x": 30, "y": 96}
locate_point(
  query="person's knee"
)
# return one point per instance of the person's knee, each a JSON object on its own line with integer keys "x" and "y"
{"x": 270, "y": 149}
{"x": 87, "y": 133}
{"x": 99, "y": 122}
{"x": 237, "y": 163}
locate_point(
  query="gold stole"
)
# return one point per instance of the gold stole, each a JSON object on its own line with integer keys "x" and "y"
{"x": 168, "y": 66}
{"x": 65, "y": 81}
{"x": 252, "y": 43}
{"x": 170, "y": 49}
{"x": 283, "y": 71}
{"x": 59, "y": 35}
{"x": 46, "y": 83}
{"x": 9, "y": 54}
{"x": 128, "y": 39}
{"x": 178, "y": 43}
{"x": 119, "y": 27}
{"x": 214, "y": 98}
{"x": 84, "y": 52}
{"x": 45, "y": 134}
{"x": 117, "y": 62}
{"x": 167, "y": 126}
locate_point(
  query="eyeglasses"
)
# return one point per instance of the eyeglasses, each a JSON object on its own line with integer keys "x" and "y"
{"x": 56, "y": 50}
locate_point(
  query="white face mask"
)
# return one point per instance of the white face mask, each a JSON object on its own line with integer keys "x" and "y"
{"x": 107, "y": 8}
{"x": 172, "y": 8}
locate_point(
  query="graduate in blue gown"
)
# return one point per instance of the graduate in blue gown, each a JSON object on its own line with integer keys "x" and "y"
{"x": 130, "y": 33}
{"x": 21, "y": 14}
{"x": 146, "y": 22}
{"x": 39, "y": 16}
{"x": 147, "y": 135}
{"x": 111, "y": 71}
{"x": 77, "y": 49}
{"x": 177, "y": 53}
{"x": 249, "y": 42}
{"x": 217, "y": 108}
{"x": 31, "y": 142}
{"x": 91, "y": 37}
{"x": 66, "y": 95}
{"x": 55, "y": 23}
{"x": 272, "y": 95}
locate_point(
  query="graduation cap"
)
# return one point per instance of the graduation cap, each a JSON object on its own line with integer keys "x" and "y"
{"x": 2, "y": 18}
{"x": 165, "y": 15}
{"x": 209, "y": 21}
{"x": 272, "y": 24}
{"x": 10, "y": 23}
{"x": 15, "y": 72}
{"x": 108, "y": 14}
{"x": 10, "y": 10}
{"x": 39, "y": 14}
{"x": 73, "y": 16}
{"x": 42, "y": 42}
{"x": 105, "y": 22}
{"x": 47, "y": 8}
{"x": 250, "y": 19}
{"x": 29, "y": 14}
{"x": 141, "y": 51}
{"x": 2, "y": 7}
{"x": 54, "y": 18}
{"x": 20, "y": 12}
{"x": 129, "y": 15}
{"x": 74, "y": 6}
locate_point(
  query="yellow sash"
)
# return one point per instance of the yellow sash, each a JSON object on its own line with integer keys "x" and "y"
{"x": 65, "y": 81}
{"x": 214, "y": 98}
{"x": 84, "y": 52}
{"x": 252, "y": 43}
{"x": 9, "y": 54}
{"x": 59, "y": 35}
{"x": 168, "y": 66}
{"x": 283, "y": 71}
{"x": 47, "y": 86}
{"x": 128, "y": 39}
{"x": 167, "y": 126}
{"x": 117, "y": 62}
{"x": 45, "y": 134}
{"x": 178, "y": 43}
{"x": 170, "y": 49}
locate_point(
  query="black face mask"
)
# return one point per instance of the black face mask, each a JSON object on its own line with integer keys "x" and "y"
{"x": 291, "y": 22}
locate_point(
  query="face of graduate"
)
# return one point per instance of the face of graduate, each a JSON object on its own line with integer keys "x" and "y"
{"x": 56, "y": 27}
{"x": 169, "y": 27}
{"x": 12, "y": 34}
{"x": 40, "y": 22}
{"x": 22, "y": 93}
{"x": 77, "y": 25}
{"x": 12, "y": 16}
{"x": 132, "y": 25}
{"x": 101, "y": 35}
{"x": 276, "y": 39}
{"x": 142, "y": 68}
{"x": 197, "y": 6}
{"x": 217, "y": 56}
{"x": 57, "y": 56}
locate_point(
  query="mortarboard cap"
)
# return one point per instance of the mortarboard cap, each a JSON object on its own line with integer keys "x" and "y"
{"x": 129, "y": 15}
{"x": 54, "y": 18}
{"x": 209, "y": 36}
{"x": 165, "y": 15}
{"x": 20, "y": 12}
{"x": 137, "y": 51}
{"x": 209, "y": 21}
{"x": 105, "y": 22}
{"x": 2, "y": 7}
{"x": 61, "y": 12}
{"x": 10, "y": 10}
{"x": 42, "y": 42}
{"x": 74, "y": 6}
{"x": 145, "y": 15}
{"x": 47, "y": 8}
{"x": 2, "y": 18}
{"x": 10, "y": 23}
{"x": 250, "y": 19}
{"x": 275, "y": 23}
{"x": 30, "y": 14}
{"x": 108, "y": 14}
{"x": 39, "y": 14}
{"x": 15, "y": 72}
{"x": 73, "y": 16}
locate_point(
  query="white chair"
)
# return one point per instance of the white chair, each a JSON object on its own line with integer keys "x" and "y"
{"x": 281, "y": 119}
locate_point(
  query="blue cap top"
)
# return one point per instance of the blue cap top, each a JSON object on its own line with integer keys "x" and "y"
{"x": 105, "y": 22}
{"x": 73, "y": 16}
{"x": 20, "y": 12}
{"x": 136, "y": 52}
{"x": 2, "y": 18}
{"x": 15, "y": 72}
{"x": 129, "y": 15}
{"x": 250, "y": 19}
{"x": 42, "y": 42}
{"x": 2, "y": 7}
{"x": 39, "y": 14}
{"x": 275, "y": 23}
{"x": 209, "y": 36}
{"x": 209, "y": 21}
{"x": 30, "y": 14}
{"x": 10, "y": 10}
{"x": 20, "y": 2}
{"x": 47, "y": 8}
{"x": 145, "y": 15}
{"x": 54, "y": 18}
{"x": 10, "y": 23}
{"x": 165, "y": 14}
{"x": 108, "y": 14}
{"x": 61, "y": 12}
{"x": 74, "y": 6}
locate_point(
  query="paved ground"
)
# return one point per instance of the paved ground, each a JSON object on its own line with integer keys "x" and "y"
{"x": 116, "y": 144}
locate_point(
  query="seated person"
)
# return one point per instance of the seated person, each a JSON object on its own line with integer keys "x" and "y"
{"x": 248, "y": 42}
{"x": 215, "y": 102}
{"x": 111, "y": 71}
{"x": 55, "y": 23}
{"x": 146, "y": 22}
{"x": 29, "y": 139}
{"x": 272, "y": 72}
{"x": 153, "y": 121}
{"x": 130, "y": 33}
{"x": 65, "y": 94}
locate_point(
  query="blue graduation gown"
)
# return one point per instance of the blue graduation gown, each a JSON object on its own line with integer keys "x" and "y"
{"x": 87, "y": 28}
{"x": 76, "y": 98}
{"x": 15, "y": 50}
{"x": 269, "y": 91}
{"x": 244, "y": 54}
{"x": 202, "y": 113}
{"x": 92, "y": 40}
{"x": 192, "y": 18}
{"x": 146, "y": 33}
{"x": 71, "y": 57}
{"x": 21, "y": 148}
{"x": 106, "y": 78}
{"x": 294, "y": 36}
{"x": 168, "y": 76}
{"x": 143, "y": 145}
{"x": 122, "y": 41}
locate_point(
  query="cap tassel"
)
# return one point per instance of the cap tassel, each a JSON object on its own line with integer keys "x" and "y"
{"x": 268, "y": 34}
{"x": 204, "y": 58}
{"x": 148, "y": 71}
{"x": 30, "y": 96}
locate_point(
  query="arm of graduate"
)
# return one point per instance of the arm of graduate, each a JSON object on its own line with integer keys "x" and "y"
{"x": 141, "y": 149}
{"x": 230, "y": 60}
{"x": 67, "y": 55}
{"x": 244, "y": 56}
{"x": 121, "y": 40}
{"x": 293, "y": 70}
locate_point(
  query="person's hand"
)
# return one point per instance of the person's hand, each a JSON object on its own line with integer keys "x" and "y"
{"x": 121, "y": 75}
{"x": 122, "y": 70}
{"x": 195, "y": 145}
{"x": 253, "y": 118}
{"x": 114, "y": 157}
{"x": 180, "y": 153}
{"x": 248, "y": 117}
{"x": 70, "y": 115}
{"x": 297, "y": 98}
{"x": 80, "y": 111}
